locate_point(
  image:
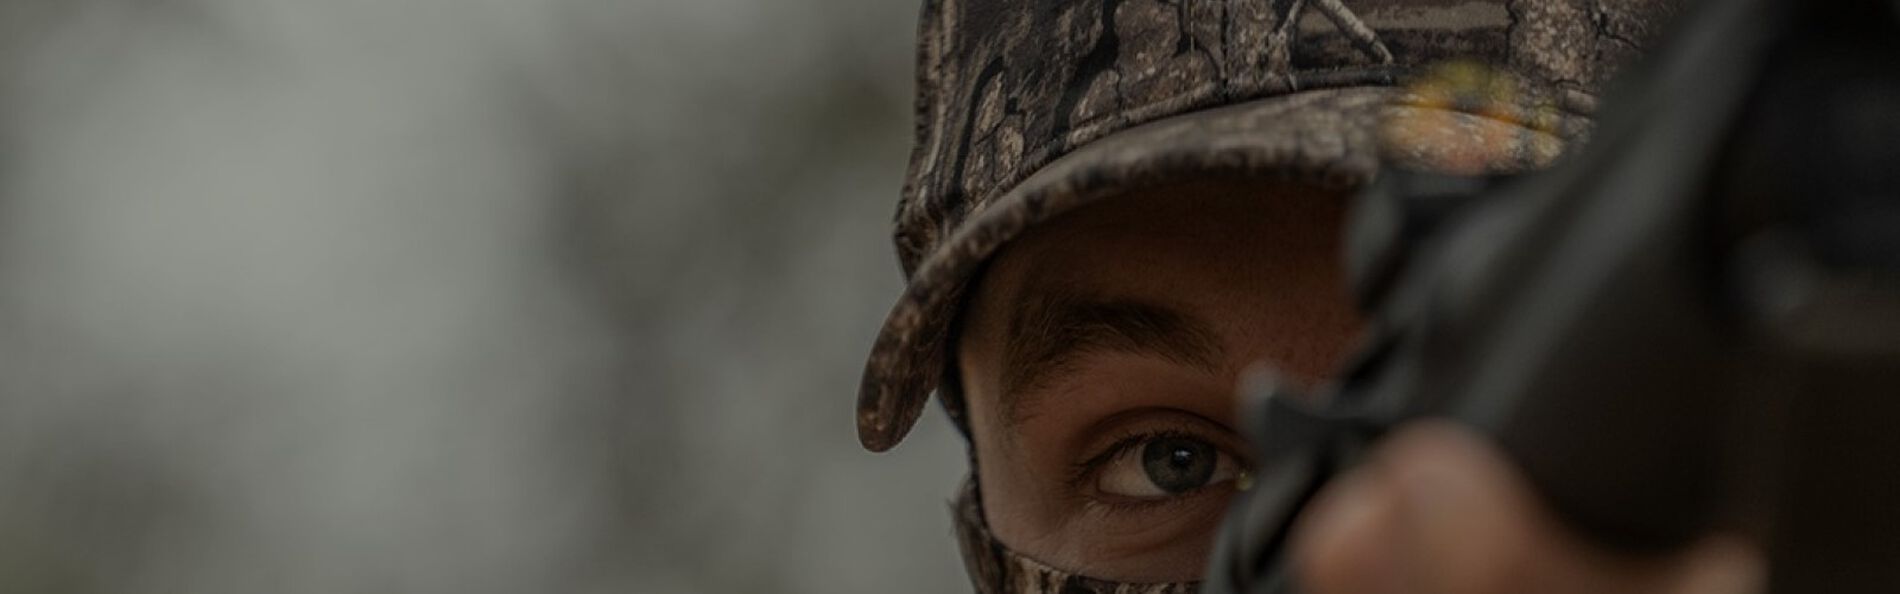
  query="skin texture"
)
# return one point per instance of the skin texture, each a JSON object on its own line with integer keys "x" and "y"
{"x": 1233, "y": 273}
{"x": 1239, "y": 275}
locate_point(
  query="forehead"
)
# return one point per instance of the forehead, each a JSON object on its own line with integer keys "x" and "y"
{"x": 1250, "y": 259}
{"x": 1164, "y": 240}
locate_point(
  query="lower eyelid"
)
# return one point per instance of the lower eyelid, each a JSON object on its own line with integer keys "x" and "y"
{"x": 1175, "y": 511}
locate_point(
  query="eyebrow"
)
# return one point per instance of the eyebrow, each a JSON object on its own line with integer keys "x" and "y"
{"x": 1055, "y": 330}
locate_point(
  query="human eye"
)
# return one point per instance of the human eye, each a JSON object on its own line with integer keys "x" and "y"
{"x": 1161, "y": 466}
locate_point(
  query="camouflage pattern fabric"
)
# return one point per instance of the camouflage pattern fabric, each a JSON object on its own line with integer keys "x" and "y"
{"x": 1016, "y": 97}
{"x": 995, "y": 569}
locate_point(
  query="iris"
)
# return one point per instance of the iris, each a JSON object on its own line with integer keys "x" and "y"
{"x": 1178, "y": 465}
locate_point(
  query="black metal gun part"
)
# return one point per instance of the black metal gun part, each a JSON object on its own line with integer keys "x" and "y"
{"x": 1691, "y": 326}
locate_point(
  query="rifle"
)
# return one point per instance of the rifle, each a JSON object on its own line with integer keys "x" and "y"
{"x": 1690, "y": 326}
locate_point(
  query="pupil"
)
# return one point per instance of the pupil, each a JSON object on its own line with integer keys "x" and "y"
{"x": 1178, "y": 465}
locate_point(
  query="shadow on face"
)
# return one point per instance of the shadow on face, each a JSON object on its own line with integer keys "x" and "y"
{"x": 1099, "y": 355}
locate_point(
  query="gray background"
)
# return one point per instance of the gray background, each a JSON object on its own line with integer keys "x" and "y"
{"x": 454, "y": 296}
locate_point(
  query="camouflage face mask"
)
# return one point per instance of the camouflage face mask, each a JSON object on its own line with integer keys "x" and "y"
{"x": 995, "y": 569}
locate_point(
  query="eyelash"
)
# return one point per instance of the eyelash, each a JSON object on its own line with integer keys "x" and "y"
{"x": 1084, "y": 473}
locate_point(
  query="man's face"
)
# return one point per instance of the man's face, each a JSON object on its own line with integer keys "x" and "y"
{"x": 1099, "y": 358}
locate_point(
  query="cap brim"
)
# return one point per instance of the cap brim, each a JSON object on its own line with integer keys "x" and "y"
{"x": 1329, "y": 138}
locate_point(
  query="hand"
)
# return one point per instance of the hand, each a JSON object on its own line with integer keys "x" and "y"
{"x": 1439, "y": 511}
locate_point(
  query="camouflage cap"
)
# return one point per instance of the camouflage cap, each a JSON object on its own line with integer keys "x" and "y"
{"x": 1030, "y": 108}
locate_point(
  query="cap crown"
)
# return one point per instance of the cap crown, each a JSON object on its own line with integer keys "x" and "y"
{"x": 1005, "y": 86}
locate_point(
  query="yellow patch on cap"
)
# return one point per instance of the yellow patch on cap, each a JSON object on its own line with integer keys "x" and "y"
{"x": 1467, "y": 118}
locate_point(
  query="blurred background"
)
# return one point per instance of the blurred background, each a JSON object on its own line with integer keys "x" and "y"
{"x": 454, "y": 296}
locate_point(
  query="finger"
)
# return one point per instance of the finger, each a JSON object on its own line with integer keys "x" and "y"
{"x": 1466, "y": 523}
{"x": 1475, "y": 525}
{"x": 1721, "y": 565}
{"x": 1428, "y": 513}
{"x": 1344, "y": 543}
{"x": 1438, "y": 510}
